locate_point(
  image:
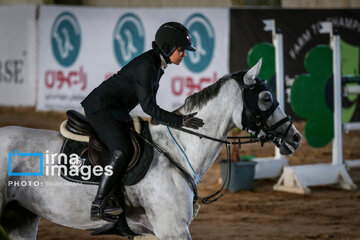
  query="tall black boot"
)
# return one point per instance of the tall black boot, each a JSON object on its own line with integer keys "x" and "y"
{"x": 98, "y": 207}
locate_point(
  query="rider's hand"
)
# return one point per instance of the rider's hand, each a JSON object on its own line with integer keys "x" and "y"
{"x": 192, "y": 122}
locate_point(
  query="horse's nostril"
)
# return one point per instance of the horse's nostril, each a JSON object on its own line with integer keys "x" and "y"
{"x": 297, "y": 137}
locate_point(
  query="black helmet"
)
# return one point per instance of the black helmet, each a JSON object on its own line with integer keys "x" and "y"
{"x": 171, "y": 35}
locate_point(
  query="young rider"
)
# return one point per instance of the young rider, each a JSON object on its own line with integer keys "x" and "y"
{"x": 107, "y": 107}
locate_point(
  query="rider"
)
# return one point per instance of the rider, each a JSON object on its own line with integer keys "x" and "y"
{"x": 107, "y": 107}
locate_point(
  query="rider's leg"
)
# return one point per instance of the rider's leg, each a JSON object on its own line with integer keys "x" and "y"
{"x": 118, "y": 161}
{"x": 116, "y": 137}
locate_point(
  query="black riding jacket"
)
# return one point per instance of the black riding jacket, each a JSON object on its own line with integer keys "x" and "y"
{"x": 137, "y": 82}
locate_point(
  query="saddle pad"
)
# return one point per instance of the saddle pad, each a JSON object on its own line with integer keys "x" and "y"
{"x": 84, "y": 175}
{"x": 86, "y": 171}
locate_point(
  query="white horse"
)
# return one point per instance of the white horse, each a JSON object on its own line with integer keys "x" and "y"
{"x": 161, "y": 204}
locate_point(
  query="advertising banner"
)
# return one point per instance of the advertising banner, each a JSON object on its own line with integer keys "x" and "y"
{"x": 18, "y": 55}
{"x": 81, "y": 47}
{"x": 300, "y": 29}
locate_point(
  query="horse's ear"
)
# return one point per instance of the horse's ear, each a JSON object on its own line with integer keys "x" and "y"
{"x": 251, "y": 75}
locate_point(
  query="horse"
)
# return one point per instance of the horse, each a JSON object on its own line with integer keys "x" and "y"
{"x": 161, "y": 204}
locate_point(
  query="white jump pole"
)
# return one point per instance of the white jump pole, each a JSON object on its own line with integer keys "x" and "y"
{"x": 298, "y": 179}
{"x": 279, "y": 68}
{"x": 335, "y": 45}
{"x": 352, "y": 126}
{"x": 351, "y": 90}
{"x": 272, "y": 167}
{"x": 337, "y": 147}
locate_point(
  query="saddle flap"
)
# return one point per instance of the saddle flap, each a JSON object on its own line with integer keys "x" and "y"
{"x": 137, "y": 150}
{"x": 98, "y": 152}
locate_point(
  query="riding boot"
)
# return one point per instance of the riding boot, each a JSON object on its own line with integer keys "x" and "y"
{"x": 98, "y": 206}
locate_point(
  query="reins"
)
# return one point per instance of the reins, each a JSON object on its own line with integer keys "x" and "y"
{"x": 252, "y": 138}
{"x": 221, "y": 192}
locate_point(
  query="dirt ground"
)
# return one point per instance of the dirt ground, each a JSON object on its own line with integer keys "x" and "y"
{"x": 327, "y": 213}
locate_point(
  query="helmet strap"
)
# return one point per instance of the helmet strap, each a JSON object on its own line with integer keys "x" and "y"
{"x": 163, "y": 53}
{"x": 165, "y": 56}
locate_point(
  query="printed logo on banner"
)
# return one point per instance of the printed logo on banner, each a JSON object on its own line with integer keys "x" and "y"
{"x": 65, "y": 39}
{"x": 128, "y": 38}
{"x": 203, "y": 37}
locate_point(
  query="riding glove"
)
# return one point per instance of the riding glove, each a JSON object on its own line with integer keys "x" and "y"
{"x": 192, "y": 122}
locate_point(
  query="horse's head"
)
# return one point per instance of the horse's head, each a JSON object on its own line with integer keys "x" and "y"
{"x": 262, "y": 114}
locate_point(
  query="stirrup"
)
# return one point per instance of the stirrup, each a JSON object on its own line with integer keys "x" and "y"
{"x": 113, "y": 217}
{"x": 111, "y": 206}
{"x": 115, "y": 211}
{"x": 95, "y": 212}
{"x": 100, "y": 211}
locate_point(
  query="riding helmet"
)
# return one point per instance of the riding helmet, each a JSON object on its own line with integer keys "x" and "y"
{"x": 171, "y": 35}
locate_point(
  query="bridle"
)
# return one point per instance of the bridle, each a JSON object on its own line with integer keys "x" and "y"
{"x": 254, "y": 120}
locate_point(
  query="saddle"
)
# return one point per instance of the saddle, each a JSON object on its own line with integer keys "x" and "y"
{"x": 81, "y": 139}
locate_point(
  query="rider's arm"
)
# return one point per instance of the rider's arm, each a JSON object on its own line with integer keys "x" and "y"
{"x": 147, "y": 97}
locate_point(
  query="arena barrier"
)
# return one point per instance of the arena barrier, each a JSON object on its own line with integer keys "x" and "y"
{"x": 271, "y": 167}
{"x": 298, "y": 179}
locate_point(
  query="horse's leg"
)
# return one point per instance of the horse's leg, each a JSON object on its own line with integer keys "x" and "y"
{"x": 167, "y": 200}
{"x": 167, "y": 226}
{"x": 19, "y": 223}
{"x": 170, "y": 214}
{"x": 170, "y": 227}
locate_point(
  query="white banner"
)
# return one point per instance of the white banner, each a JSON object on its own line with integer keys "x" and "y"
{"x": 81, "y": 47}
{"x": 17, "y": 55}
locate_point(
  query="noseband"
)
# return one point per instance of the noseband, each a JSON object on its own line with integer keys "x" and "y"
{"x": 254, "y": 120}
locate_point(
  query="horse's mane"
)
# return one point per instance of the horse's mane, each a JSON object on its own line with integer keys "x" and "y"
{"x": 199, "y": 99}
